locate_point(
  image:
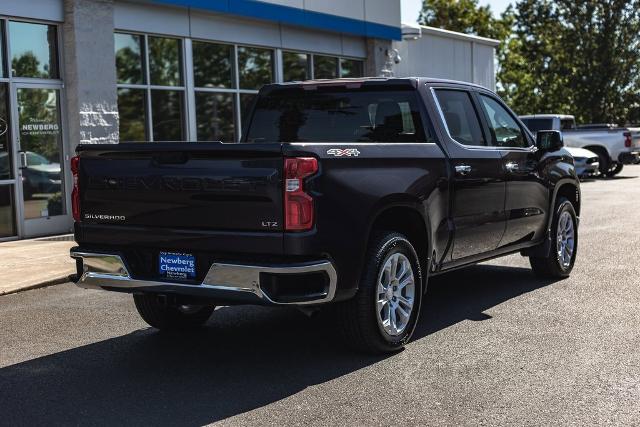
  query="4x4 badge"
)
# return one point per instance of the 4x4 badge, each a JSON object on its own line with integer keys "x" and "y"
{"x": 343, "y": 152}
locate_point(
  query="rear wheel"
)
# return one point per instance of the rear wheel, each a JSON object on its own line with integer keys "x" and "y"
{"x": 615, "y": 169}
{"x": 562, "y": 255}
{"x": 604, "y": 162}
{"x": 382, "y": 316}
{"x": 159, "y": 313}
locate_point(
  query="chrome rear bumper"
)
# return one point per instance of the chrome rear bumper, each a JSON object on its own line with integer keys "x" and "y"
{"x": 236, "y": 282}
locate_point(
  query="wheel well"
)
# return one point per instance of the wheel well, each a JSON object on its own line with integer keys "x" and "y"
{"x": 408, "y": 222}
{"x": 570, "y": 192}
{"x": 598, "y": 149}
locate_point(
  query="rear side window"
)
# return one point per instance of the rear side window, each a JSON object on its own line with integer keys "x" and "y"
{"x": 567, "y": 124}
{"x": 336, "y": 115}
{"x": 460, "y": 116}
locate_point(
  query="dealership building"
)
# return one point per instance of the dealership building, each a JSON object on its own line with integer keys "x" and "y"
{"x": 105, "y": 71}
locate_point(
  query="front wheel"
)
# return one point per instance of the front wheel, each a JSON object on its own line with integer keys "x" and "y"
{"x": 382, "y": 316}
{"x": 564, "y": 230}
{"x": 159, "y": 313}
{"x": 615, "y": 169}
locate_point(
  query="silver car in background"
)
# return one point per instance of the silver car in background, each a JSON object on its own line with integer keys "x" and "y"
{"x": 586, "y": 162}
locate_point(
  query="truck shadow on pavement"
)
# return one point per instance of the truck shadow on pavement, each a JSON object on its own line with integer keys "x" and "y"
{"x": 246, "y": 358}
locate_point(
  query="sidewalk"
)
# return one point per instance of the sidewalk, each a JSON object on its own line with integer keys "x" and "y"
{"x": 28, "y": 264}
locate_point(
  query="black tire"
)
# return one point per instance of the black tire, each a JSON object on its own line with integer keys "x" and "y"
{"x": 615, "y": 169}
{"x": 604, "y": 162}
{"x": 158, "y": 313}
{"x": 550, "y": 266}
{"x": 358, "y": 316}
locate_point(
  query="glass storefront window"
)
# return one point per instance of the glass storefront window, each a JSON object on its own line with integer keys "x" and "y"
{"x": 325, "y": 67}
{"x": 246, "y": 102}
{"x": 215, "y": 116}
{"x": 167, "y": 113}
{"x": 351, "y": 68}
{"x": 129, "y": 58}
{"x": 131, "y": 107}
{"x": 34, "y": 51}
{"x": 5, "y": 134}
{"x": 295, "y": 66}
{"x": 255, "y": 67}
{"x": 165, "y": 59}
{"x": 2, "y": 55}
{"x": 7, "y": 216}
{"x": 212, "y": 65}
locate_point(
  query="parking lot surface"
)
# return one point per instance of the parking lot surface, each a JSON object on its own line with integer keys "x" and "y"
{"x": 494, "y": 346}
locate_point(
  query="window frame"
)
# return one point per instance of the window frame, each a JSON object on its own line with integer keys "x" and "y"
{"x": 470, "y": 93}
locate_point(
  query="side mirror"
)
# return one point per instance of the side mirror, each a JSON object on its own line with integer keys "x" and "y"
{"x": 549, "y": 140}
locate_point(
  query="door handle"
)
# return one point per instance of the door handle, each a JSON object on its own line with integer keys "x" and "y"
{"x": 512, "y": 167}
{"x": 23, "y": 160}
{"x": 463, "y": 169}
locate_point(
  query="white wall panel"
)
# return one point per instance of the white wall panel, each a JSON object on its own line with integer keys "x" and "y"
{"x": 353, "y": 9}
{"x": 354, "y": 46}
{"x": 302, "y": 39}
{"x": 151, "y": 19}
{"x": 50, "y": 10}
{"x": 385, "y": 12}
{"x": 234, "y": 30}
{"x": 484, "y": 66}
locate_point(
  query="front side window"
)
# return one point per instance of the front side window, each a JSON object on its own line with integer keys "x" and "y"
{"x": 34, "y": 50}
{"x": 460, "y": 116}
{"x": 504, "y": 129}
{"x": 336, "y": 115}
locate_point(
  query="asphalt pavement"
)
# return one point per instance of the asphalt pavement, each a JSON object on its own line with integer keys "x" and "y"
{"x": 495, "y": 346}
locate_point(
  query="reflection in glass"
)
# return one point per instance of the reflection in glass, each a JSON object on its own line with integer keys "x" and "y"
{"x": 164, "y": 61}
{"x": 351, "y": 68}
{"x": 33, "y": 50}
{"x": 215, "y": 116}
{"x": 7, "y": 215}
{"x": 131, "y": 110}
{"x": 5, "y": 152}
{"x": 129, "y": 65}
{"x": 2, "y": 67}
{"x": 295, "y": 66}
{"x": 40, "y": 141}
{"x": 325, "y": 67}
{"x": 246, "y": 102}
{"x": 255, "y": 67}
{"x": 212, "y": 65}
{"x": 167, "y": 111}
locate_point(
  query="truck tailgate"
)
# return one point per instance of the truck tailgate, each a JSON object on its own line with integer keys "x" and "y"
{"x": 206, "y": 186}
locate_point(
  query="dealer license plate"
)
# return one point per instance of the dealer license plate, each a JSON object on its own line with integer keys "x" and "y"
{"x": 177, "y": 266}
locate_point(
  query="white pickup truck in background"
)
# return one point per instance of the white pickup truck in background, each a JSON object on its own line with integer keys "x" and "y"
{"x": 615, "y": 147}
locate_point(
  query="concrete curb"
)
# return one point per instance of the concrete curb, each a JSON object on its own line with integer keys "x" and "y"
{"x": 52, "y": 282}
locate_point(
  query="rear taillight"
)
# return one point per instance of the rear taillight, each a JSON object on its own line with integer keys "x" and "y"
{"x": 627, "y": 139}
{"x": 298, "y": 205}
{"x": 75, "y": 194}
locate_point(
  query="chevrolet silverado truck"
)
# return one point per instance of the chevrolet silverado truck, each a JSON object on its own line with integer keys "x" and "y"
{"x": 615, "y": 146}
{"x": 345, "y": 194}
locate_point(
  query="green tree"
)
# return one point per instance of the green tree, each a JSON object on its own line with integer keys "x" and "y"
{"x": 577, "y": 58}
{"x": 464, "y": 16}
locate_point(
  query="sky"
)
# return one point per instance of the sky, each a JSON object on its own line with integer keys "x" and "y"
{"x": 411, "y": 8}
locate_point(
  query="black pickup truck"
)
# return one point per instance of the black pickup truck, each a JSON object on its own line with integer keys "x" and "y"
{"x": 348, "y": 194}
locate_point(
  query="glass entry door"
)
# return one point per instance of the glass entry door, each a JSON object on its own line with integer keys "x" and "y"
{"x": 41, "y": 160}
{"x": 8, "y": 224}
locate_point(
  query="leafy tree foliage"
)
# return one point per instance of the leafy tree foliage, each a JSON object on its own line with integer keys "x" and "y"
{"x": 572, "y": 57}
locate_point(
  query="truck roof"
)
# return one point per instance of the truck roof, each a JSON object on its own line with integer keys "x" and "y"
{"x": 548, "y": 116}
{"x": 413, "y": 81}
